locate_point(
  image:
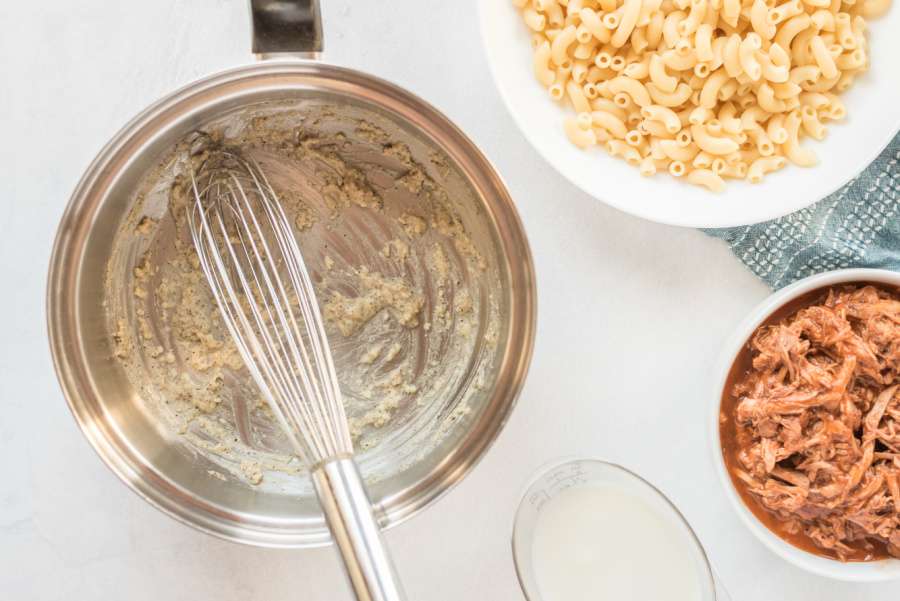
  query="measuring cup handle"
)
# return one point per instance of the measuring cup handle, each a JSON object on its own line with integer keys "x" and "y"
{"x": 286, "y": 26}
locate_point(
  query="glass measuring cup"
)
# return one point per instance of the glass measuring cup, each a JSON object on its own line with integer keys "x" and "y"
{"x": 592, "y": 473}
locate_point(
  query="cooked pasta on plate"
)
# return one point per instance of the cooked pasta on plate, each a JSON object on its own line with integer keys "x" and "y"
{"x": 705, "y": 90}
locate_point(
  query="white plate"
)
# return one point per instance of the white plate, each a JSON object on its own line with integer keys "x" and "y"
{"x": 870, "y": 571}
{"x": 873, "y": 107}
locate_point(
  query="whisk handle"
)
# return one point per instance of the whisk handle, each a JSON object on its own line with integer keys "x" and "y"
{"x": 355, "y": 533}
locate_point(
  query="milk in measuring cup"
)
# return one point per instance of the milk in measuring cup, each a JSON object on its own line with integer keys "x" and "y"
{"x": 600, "y": 542}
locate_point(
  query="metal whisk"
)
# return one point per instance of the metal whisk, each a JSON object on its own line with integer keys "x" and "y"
{"x": 253, "y": 264}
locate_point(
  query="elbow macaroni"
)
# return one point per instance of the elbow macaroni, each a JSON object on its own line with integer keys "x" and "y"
{"x": 702, "y": 89}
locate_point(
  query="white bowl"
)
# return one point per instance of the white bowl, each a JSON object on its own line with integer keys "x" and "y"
{"x": 871, "y": 571}
{"x": 873, "y": 107}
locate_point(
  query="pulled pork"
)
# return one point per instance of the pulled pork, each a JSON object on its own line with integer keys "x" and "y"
{"x": 818, "y": 423}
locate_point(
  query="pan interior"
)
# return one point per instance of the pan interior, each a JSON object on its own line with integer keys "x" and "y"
{"x": 409, "y": 274}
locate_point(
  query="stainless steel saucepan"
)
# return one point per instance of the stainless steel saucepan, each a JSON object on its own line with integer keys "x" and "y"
{"x": 405, "y": 473}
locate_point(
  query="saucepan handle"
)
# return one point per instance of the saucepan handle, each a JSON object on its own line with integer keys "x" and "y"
{"x": 286, "y": 26}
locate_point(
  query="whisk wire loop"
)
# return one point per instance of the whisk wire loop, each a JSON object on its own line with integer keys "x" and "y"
{"x": 264, "y": 292}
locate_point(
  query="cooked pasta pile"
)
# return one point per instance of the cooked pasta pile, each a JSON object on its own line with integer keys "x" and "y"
{"x": 703, "y": 89}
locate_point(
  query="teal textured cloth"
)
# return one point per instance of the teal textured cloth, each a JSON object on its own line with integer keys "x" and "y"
{"x": 857, "y": 226}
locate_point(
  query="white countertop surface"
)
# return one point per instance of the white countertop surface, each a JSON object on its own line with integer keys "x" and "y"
{"x": 631, "y": 318}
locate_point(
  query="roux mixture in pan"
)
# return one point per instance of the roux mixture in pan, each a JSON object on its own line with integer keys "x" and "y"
{"x": 406, "y": 294}
{"x": 810, "y": 423}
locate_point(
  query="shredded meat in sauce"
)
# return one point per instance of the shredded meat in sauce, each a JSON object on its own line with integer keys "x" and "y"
{"x": 817, "y": 423}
